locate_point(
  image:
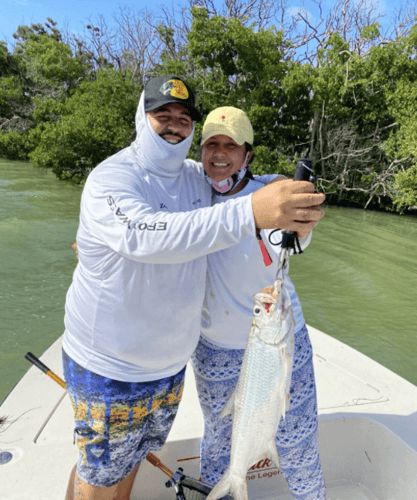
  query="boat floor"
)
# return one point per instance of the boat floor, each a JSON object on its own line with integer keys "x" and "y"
{"x": 367, "y": 429}
{"x": 336, "y": 492}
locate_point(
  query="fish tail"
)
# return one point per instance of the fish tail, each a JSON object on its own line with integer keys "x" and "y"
{"x": 227, "y": 485}
{"x": 240, "y": 491}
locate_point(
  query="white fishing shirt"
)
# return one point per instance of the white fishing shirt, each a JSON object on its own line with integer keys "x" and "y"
{"x": 146, "y": 226}
{"x": 234, "y": 276}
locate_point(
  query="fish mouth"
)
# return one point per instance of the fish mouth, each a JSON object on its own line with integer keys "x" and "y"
{"x": 277, "y": 324}
{"x": 268, "y": 302}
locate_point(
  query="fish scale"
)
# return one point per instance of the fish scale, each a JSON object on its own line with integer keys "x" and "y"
{"x": 262, "y": 393}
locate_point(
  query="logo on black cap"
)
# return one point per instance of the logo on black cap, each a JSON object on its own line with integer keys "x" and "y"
{"x": 175, "y": 88}
{"x": 161, "y": 90}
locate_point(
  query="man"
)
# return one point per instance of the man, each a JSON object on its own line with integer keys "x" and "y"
{"x": 133, "y": 310}
{"x": 234, "y": 275}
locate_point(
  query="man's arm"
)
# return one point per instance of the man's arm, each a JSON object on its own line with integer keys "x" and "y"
{"x": 115, "y": 214}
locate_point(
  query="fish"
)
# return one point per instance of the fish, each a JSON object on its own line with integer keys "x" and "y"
{"x": 261, "y": 396}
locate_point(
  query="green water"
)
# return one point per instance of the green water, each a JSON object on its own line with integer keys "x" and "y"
{"x": 358, "y": 284}
{"x": 356, "y": 281}
{"x": 38, "y": 224}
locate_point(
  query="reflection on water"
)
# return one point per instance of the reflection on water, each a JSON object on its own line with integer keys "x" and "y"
{"x": 356, "y": 281}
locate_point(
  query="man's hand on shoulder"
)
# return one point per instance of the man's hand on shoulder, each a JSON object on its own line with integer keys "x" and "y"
{"x": 75, "y": 247}
{"x": 268, "y": 178}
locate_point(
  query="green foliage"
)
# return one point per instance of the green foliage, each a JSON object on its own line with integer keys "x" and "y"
{"x": 47, "y": 109}
{"x": 401, "y": 145}
{"x": 4, "y": 54}
{"x": 34, "y": 31}
{"x": 11, "y": 93}
{"x": 50, "y": 62}
{"x": 96, "y": 122}
{"x": 354, "y": 110}
{"x": 14, "y": 146}
{"x": 35, "y": 81}
{"x": 402, "y": 142}
{"x": 371, "y": 32}
{"x": 173, "y": 61}
{"x": 406, "y": 183}
{"x": 269, "y": 162}
{"x": 238, "y": 66}
{"x": 6, "y": 61}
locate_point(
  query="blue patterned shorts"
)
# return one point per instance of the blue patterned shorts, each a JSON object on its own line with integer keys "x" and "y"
{"x": 217, "y": 371}
{"x": 118, "y": 423}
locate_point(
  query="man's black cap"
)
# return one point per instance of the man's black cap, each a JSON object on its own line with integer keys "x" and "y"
{"x": 166, "y": 89}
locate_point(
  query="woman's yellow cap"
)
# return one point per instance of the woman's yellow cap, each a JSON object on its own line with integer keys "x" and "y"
{"x": 229, "y": 121}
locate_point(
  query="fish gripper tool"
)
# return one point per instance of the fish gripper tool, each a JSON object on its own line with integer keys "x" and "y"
{"x": 289, "y": 242}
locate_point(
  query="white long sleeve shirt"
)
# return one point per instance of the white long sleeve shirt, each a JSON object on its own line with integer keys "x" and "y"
{"x": 234, "y": 275}
{"x": 146, "y": 226}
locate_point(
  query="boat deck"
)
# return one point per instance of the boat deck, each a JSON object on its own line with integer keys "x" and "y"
{"x": 367, "y": 424}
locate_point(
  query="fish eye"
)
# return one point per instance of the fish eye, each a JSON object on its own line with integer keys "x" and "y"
{"x": 257, "y": 310}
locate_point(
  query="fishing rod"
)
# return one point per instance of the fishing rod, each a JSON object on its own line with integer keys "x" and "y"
{"x": 186, "y": 488}
{"x": 38, "y": 363}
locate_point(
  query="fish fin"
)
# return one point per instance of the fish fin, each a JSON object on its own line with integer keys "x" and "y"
{"x": 270, "y": 453}
{"x": 273, "y": 453}
{"x": 226, "y": 485}
{"x": 228, "y": 408}
{"x": 287, "y": 364}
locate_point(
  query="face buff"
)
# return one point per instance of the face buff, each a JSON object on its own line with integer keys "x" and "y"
{"x": 224, "y": 187}
{"x": 153, "y": 152}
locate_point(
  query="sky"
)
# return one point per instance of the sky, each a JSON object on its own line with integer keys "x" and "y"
{"x": 76, "y": 13}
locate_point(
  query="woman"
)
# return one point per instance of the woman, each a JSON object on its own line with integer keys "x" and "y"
{"x": 234, "y": 275}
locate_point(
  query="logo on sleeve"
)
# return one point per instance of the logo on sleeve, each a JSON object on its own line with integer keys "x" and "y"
{"x": 139, "y": 225}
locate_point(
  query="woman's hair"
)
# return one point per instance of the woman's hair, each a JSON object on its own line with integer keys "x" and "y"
{"x": 248, "y": 148}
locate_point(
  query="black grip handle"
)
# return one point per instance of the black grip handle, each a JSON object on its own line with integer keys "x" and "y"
{"x": 37, "y": 362}
{"x": 303, "y": 172}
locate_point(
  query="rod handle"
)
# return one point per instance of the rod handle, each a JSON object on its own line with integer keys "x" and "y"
{"x": 38, "y": 363}
{"x": 304, "y": 171}
{"x": 156, "y": 462}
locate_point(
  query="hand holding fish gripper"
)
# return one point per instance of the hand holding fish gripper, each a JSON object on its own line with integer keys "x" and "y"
{"x": 303, "y": 172}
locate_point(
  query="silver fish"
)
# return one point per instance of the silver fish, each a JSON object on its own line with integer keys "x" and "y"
{"x": 261, "y": 396}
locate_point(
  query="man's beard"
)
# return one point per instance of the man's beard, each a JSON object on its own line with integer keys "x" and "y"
{"x": 168, "y": 132}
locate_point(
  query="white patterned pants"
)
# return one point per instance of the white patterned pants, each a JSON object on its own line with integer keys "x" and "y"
{"x": 217, "y": 372}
